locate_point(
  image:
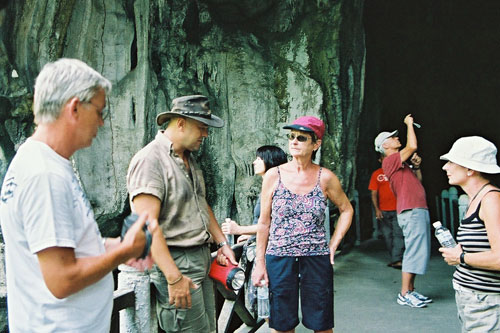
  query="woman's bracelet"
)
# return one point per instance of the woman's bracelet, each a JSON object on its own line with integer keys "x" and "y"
{"x": 176, "y": 281}
{"x": 462, "y": 258}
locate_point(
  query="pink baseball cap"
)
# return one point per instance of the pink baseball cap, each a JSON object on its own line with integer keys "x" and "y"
{"x": 308, "y": 124}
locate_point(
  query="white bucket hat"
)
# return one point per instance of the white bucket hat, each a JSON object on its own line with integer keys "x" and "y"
{"x": 380, "y": 139}
{"x": 475, "y": 153}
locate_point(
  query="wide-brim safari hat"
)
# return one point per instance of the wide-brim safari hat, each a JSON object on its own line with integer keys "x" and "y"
{"x": 475, "y": 153}
{"x": 195, "y": 107}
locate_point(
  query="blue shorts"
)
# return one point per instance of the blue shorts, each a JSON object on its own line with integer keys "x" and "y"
{"x": 313, "y": 276}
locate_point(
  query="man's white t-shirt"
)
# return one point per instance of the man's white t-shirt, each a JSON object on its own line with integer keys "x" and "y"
{"x": 42, "y": 205}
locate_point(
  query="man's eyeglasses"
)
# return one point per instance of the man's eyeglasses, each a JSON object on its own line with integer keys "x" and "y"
{"x": 300, "y": 138}
{"x": 104, "y": 113}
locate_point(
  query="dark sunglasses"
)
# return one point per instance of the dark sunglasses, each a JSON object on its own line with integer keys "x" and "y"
{"x": 300, "y": 138}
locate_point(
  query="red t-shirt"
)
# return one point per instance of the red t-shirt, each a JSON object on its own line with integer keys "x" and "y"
{"x": 407, "y": 188}
{"x": 380, "y": 183}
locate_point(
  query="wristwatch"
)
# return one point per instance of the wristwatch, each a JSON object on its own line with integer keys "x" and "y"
{"x": 221, "y": 244}
{"x": 462, "y": 258}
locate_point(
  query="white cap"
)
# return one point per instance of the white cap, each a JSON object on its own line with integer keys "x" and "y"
{"x": 436, "y": 224}
{"x": 380, "y": 139}
{"x": 474, "y": 152}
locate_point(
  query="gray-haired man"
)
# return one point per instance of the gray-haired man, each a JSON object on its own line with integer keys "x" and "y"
{"x": 58, "y": 267}
{"x": 165, "y": 181}
{"x": 413, "y": 214}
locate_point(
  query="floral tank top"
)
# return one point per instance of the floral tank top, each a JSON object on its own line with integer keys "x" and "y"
{"x": 297, "y": 222}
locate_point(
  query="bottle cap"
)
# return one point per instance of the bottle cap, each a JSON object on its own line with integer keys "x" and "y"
{"x": 437, "y": 224}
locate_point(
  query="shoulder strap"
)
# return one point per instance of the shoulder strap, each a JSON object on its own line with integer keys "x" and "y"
{"x": 479, "y": 205}
{"x": 319, "y": 174}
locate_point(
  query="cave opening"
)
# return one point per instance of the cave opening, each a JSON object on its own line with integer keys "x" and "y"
{"x": 439, "y": 61}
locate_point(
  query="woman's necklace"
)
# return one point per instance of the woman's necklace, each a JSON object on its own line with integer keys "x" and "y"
{"x": 475, "y": 196}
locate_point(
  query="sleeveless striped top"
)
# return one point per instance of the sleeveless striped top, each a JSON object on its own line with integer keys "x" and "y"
{"x": 298, "y": 222}
{"x": 473, "y": 238}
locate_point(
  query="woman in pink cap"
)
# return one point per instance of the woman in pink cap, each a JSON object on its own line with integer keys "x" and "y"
{"x": 477, "y": 256}
{"x": 292, "y": 246}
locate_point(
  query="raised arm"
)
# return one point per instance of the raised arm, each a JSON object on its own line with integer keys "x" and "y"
{"x": 416, "y": 161}
{"x": 411, "y": 140}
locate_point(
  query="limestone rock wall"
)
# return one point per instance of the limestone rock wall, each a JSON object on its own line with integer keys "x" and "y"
{"x": 262, "y": 64}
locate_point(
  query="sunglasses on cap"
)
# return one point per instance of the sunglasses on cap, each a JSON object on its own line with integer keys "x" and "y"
{"x": 300, "y": 137}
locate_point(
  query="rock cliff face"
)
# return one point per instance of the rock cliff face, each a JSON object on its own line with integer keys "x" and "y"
{"x": 262, "y": 64}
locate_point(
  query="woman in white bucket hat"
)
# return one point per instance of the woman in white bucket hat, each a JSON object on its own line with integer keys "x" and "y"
{"x": 477, "y": 256}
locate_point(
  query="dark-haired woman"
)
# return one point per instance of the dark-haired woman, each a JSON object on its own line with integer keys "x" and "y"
{"x": 267, "y": 157}
{"x": 294, "y": 254}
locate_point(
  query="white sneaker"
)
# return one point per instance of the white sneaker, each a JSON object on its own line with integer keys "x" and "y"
{"x": 410, "y": 300}
{"x": 421, "y": 297}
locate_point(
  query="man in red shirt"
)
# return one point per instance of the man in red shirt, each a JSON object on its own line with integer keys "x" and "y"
{"x": 411, "y": 206}
{"x": 384, "y": 203}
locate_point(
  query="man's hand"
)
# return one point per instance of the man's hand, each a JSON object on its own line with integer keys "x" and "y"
{"x": 378, "y": 214}
{"x": 408, "y": 120}
{"x": 179, "y": 293}
{"x": 148, "y": 262}
{"x": 225, "y": 253}
{"x": 135, "y": 239}
{"x": 416, "y": 160}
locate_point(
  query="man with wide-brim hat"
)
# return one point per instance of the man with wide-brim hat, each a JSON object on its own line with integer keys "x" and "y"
{"x": 195, "y": 107}
{"x": 165, "y": 181}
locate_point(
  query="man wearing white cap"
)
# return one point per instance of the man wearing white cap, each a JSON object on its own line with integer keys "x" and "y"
{"x": 413, "y": 214}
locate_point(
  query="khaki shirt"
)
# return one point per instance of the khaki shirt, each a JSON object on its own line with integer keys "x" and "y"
{"x": 157, "y": 170}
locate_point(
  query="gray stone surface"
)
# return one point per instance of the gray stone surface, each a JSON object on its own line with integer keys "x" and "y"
{"x": 262, "y": 64}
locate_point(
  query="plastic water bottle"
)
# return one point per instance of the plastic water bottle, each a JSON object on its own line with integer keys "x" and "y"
{"x": 443, "y": 235}
{"x": 263, "y": 300}
{"x": 229, "y": 237}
